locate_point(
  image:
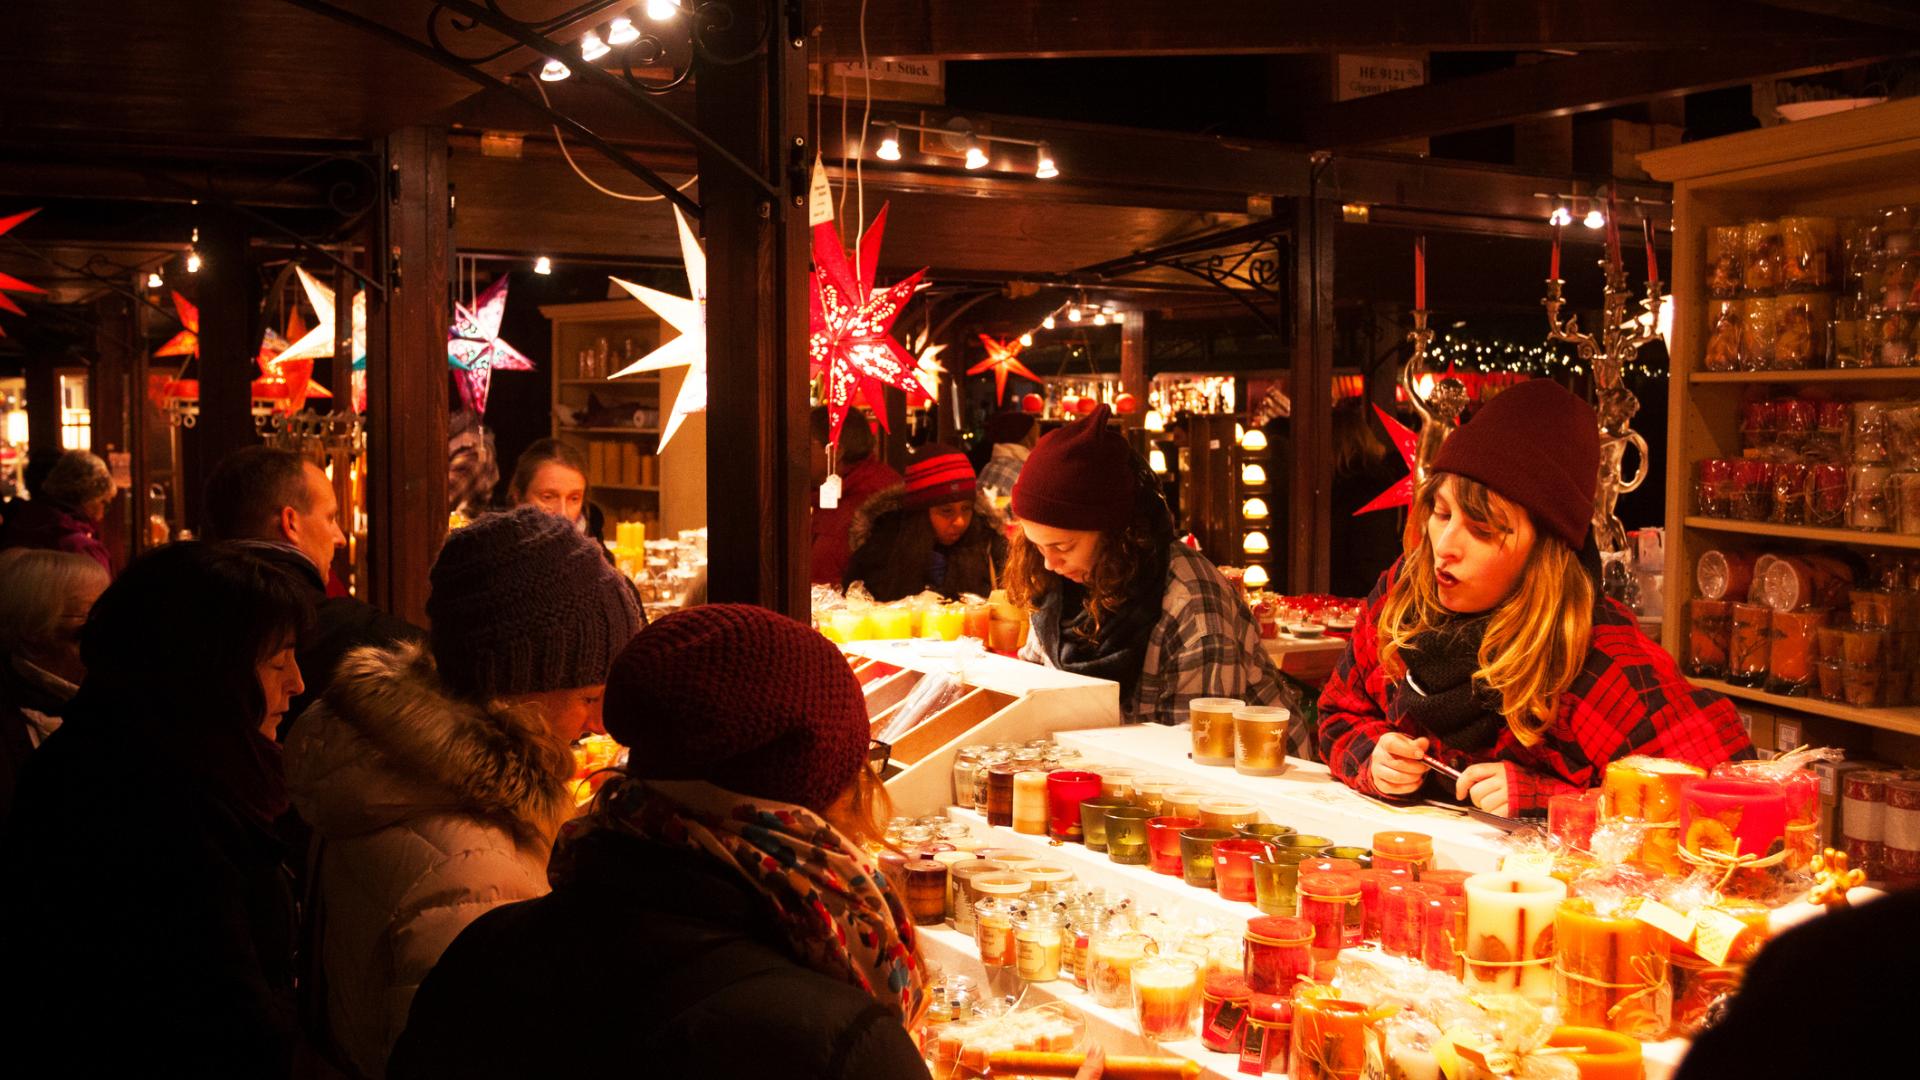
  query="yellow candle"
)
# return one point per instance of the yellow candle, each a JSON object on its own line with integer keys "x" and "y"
{"x": 949, "y": 621}
{"x": 1166, "y": 997}
{"x": 1030, "y": 803}
{"x": 892, "y": 622}
{"x": 850, "y": 626}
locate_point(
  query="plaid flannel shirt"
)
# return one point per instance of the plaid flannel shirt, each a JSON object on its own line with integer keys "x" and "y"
{"x": 1205, "y": 644}
{"x": 999, "y": 474}
{"x": 1629, "y": 698}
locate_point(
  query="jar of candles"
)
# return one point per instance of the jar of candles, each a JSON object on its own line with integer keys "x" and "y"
{"x": 1083, "y": 922}
{"x": 1274, "y": 885}
{"x": 926, "y": 890}
{"x": 1510, "y": 940}
{"x": 950, "y": 998}
{"x": 959, "y": 890}
{"x": 1890, "y": 332}
{"x": 1359, "y": 856}
{"x": 1397, "y": 848}
{"x": 1260, "y": 740}
{"x": 1000, "y": 792}
{"x": 1066, "y": 790}
{"x": 1196, "y": 855}
{"x": 993, "y": 919}
{"x": 1163, "y": 842}
{"x": 1223, "y": 1012}
{"x": 1166, "y": 997}
{"x": 1612, "y": 969}
{"x": 1306, "y": 844}
{"x": 1233, "y": 867}
{"x": 1225, "y": 812}
{"x": 1809, "y": 253}
{"x": 1277, "y": 953}
{"x": 1037, "y": 941}
{"x": 1747, "y": 659}
{"x": 1790, "y": 663}
{"x": 1030, "y": 802}
{"x": 1869, "y": 444}
{"x": 1111, "y": 957}
{"x": 1865, "y": 658}
{"x": 1709, "y": 637}
{"x": 1093, "y": 820}
{"x": 1726, "y": 331}
{"x": 1047, "y": 877}
{"x": 1263, "y": 830}
{"x": 1850, "y": 348}
{"x": 1150, "y": 792}
{"x": 1325, "y": 901}
{"x": 1761, "y": 257}
{"x": 964, "y": 762}
{"x": 1127, "y": 834}
{"x": 1211, "y": 723}
{"x": 1801, "y": 789}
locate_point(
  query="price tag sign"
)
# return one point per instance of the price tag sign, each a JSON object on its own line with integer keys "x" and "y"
{"x": 830, "y": 492}
{"x": 819, "y": 195}
{"x": 1715, "y": 933}
{"x": 1665, "y": 919}
{"x": 1528, "y": 864}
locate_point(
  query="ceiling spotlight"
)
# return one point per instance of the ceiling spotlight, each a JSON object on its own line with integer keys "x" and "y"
{"x": 1255, "y": 543}
{"x": 554, "y": 71}
{"x": 1255, "y": 577}
{"x": 889, "y": 143}
{"x": 1099, "y": 318}
{"x": 1254, "y": 439}
{"x": 1560, "y": 216}
{"x": 1254, "y": 510}
{"x": 1043, "y": 166}
{"x": 154, "y": 280}
{"x": 543, "y": 265}
{"x": 662, "y": 10}
{"x": 1596, "y": 218}
{"x": 976, "y": 157}
{"x": 1112, "y": 315}
{"x": 193, "y": 261}
{"x": 1047, "y": 323}
{"x": 592, "y": 48}
{"x": 1157, "y": 460}
{"x": 1073, "y": 313}
{"x": 622, "y": 32}
{"x": 1026, "y": 338}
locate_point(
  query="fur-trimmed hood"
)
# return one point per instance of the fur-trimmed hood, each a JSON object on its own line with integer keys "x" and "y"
{"x": 387, "y": 744}
{"x": 893, "y": 499}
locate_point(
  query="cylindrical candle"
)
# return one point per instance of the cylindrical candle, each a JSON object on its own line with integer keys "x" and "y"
{"x": 1227, "y": 813}
{"x": 1127, "y": 834}
{"x": 1353, "y": 853}
{"x": 1327, "y": 864}
{"x": 993, "y": 931}
{"x": 1211, "y": 720}
{"x": 1863, "y": 817}
{"x": 1402, "y": 917}
{"x": 1037, "y": 947}
{"x": 1371, "y": 882}
{"x": 1442, "y": 918}
{"x": 1801, "y": 787}
{"x": 1093, "y": 820}
{"x": 1185, "y": 802}
{"x": 1117, "y": 783}
{"x": 1572, "y": 817}
{"x": 1325, "y": 900}
{"x": 1262, "y": 830}
{"x": 1110, "y": 960}
{"x": 1150, "y": 792}
{"x": 1223, "y": 1012}
{"x": 1266, "y": 1047}
{"x": 1274, "y": 881}
{"x": 1449, "y": 882}
{"x": 1000, "y": 792}
{"x": 1260, "y": 740}
{"x": 1305, "y": 843}
{"x": 1166, "y": 997}
{"x": 926, "y": 889}
{"x": 1409, "y": 849}
{"x": 1066, "y": 790}
{"x": 1329, "y": 1036}
{"x": 1726, "y": 819}
{"x": 959, "y": 889}
{"x": 1510, "y": 933}
{"x": 1233, "y": 867}
{"x": 1046, "y": 876}
{"x": 1278, "y": 953}
{"x": 1647, "y": 790}
{"x": 1163, "y": 842}
{"x": 1612, "y": 970}
{"x": 1196, "y": 855}
{"x": 1600, "y": 1054}
{"x": 1030, "y": 803}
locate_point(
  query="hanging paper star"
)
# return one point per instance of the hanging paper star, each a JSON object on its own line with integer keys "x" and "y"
{"x": 689, "y": 317}
{"x": 929, "y": 369}
{"x": 1003, "y": 357}
{"x": 8, "y": 281}
{"x": 1406, "y": 441}
{"x": 474, "y": 346}
{"x": 279, "y": 378}
{"x": 318, "y": 342}
{"x": 187, "y": 341}
{"x": 852, "y": 342}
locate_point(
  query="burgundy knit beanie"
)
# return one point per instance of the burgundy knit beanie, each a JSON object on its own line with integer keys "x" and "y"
{"x": 1537, "y": 445}
{"x": 742, "y": 698}
{"x": 937, "y": 474}
{"x": 1078, "y": 477}
{"x": 521, "y": 602}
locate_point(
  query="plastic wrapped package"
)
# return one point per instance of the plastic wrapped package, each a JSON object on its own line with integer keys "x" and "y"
{"x": 1330, "y": 1034}
{"x": 962, "y": 1048}
{"x": 1646, "y": 791}
{"x": 1612, "y": 968}
{"x": 1510, "y": 1039}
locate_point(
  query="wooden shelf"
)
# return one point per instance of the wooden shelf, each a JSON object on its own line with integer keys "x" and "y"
{"x": 1906, "y": 720}
{"x": 608, "y": 430}
{"x": 626, "y": 487}
{"x": 650, "y": 382}
{"x": 1828, "y": 375}
{"x": 1805, "y": 532}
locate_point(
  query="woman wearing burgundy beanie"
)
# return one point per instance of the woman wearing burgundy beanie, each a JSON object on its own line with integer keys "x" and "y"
{"x": 1489, "y": 646}
{"x": 1114, "y": 595}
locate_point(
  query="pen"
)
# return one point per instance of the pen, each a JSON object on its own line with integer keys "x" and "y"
{"x": 1439, "y": 766}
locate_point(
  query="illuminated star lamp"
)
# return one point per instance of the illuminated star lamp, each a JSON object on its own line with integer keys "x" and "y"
{"x": 1400, "y": 494}
{"x": 852, "y": 342}
{"x": 1003, "y": 357}
{"x": 689, "y": 317}
{"x": 187, "y": 341}
{"x": 7, "y": 281}
{"x": 318, "y": 342}
{"x": 474, "y": 347}
{"x": 287, "y": 383}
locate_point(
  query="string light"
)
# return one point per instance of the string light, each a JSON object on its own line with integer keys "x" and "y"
{"x": 154, "y": 280}
{"x": 1507, "y": 357}
{"x": 976, "y": 157}
{"x": 592, "y": 48}
{"x": 554, "y": 71}
{"x": 1047, "y": 323}
{"x": 622, "y": 32}
{"x": 889, "y": 143}
{"x": 543, "y": 265}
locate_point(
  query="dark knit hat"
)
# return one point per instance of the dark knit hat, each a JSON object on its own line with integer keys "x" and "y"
{"x": 1078, "y": 477}
{"x": 1537, "y": 445}
{"x": 1010, "y": 427}
{"x": 521, "y": 602}
{"x": 937, "y": 474}
{"x": 742, "y": 698}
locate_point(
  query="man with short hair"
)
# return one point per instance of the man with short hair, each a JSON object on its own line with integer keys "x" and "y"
{"x": 283, "y": 507}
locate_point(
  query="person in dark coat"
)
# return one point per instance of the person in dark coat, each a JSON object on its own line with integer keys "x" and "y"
{"x": 44, "y": 600}
{"x": 282, "y": 507}
{"x": 718, "y": 908}
{"x": 933, "y": 532}
{"x": 148, "y": 918}
{"x": 65, "y": 514}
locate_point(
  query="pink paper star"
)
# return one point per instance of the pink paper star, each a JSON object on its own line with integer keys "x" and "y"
{"x": 186, "y": 342}
{"x": 851, "y": 341}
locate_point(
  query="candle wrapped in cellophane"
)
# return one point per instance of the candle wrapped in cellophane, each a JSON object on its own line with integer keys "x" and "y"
{"x": 962, "y": 1047}
{"x": 1645, "y": 792}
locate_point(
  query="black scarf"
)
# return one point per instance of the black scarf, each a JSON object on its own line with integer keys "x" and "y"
{"x": 1440, "y": 692}
{"x": 1119, "y": 650}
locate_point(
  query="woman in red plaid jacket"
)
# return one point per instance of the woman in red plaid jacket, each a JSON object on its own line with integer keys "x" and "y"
{"x": 1489, "y": 647}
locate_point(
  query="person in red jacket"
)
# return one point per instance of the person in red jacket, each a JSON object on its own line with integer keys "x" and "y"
{"x": 863, "y": 474}
{"x": 1488, "y": 645}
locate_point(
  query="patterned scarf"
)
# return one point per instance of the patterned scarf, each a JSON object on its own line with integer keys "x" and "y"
{"x": 832, "y": 904}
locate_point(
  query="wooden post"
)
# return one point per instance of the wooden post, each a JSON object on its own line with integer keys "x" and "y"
{"x": 1309, "y": 491}
{"x": 228, "y": 296}
{"x": 1133, "y": 365}
{"x": 406, "y": 372}
{"x": 757, "y": 250}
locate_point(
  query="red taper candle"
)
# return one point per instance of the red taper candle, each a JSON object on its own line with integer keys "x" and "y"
{"x": 1420, "y": 273}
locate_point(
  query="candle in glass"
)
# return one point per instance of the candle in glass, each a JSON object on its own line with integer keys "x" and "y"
{"x": 1266, "y": 1046}
{"x": 1233, "y": 867}
{"x": 1304, "y": 843}
{"x": 1600, "y": 1054}
{"x": 1036, "y": 940}
{"x": 1443, "y": 919}
{"x": 1274, "y": 885}
{"x": 1409, "y": 849}
{"x": 1046, "y": 876}
{"x": 1066, "y": 790}
{"x": 1371, "y": 882}
{"x": 1166, "y": 997}
{"x": 1185, "y": 803}
{"x": 1227, "y": 813}
{"x": 1277, "y": 953}
{"x": 1117, "y": 783}
{"x": 993, "y": 932}
{"x": 1196, "y": 855}
{"x": 1211, "y": 721}
{"x": 1612, "y": 970}
{"x": 959, "y": 889}
{"x": 1572, "y": 817}
{"x": 1163, "y": 842}
{"x": 926, "y": 889}
{"x": 1127, "y": 834}
{"x": 1449, "y": 882}
{"x": 1110, "y": 961}
{"x": 1647, "y": 790}
{"x": 1325, "y": 900}
{"x": 1260, "y": 740}
{"x": 1402, "y": 906}
{"x": 1030, "y": 803}
{"x": 1510, "y": 933}
{"x": 1151, "y": 793}
{"x": 1261, "y": 830}
{"x": 1352, "y": 853}
{"x": 1093, "y": 820}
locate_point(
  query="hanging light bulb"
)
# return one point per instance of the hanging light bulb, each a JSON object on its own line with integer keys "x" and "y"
{"x": 1043, "y": 166}
{"x": 889, "y": 143}
{"x": 1047, "y": 323}
{"x": 1560, "y": 216}
{"x": 662, "y": 10}
{"x": 622, "y": 32}
{"x": 1157, "y": 460}
{"x": 1255, "y": 577}
{"x": 592, "y": 48}
{"x": 1099, "y": 318}
{"x": 193, "y": 260}
{"x": 976, "y": 157}
{"x": 543, "y": 265}
{"x": 1254, "y": 510}
{"x": 554, "y": 71}
{"x": 1073, "y": 314}
{"x": 1155, "y": 421}
{"x": 1255, "y": 543}
{"x": 1026, "y": 338}
{"x": 1254, "y": 439}
{"x": 1596, "y": 218}
{"x": 154, "y": 280}
{"x": 1253, "y": 475}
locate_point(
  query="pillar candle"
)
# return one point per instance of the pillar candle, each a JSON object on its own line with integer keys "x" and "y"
{"x": 1000, "y": 793}
{"x": 1600, "y": 1054}
{"x": 1277, "y": 953}
{"x": 1572, "y": 816}
{"x": 959, "y": 889}
{"x": 1420, "y": 273}
{"x": 1653, "y": 261}
{"x": 1402, "y": 914}
{"x": 1553, "y": 267}
{"x": 1730, "y": 817}
{"x": 1409, "y": 849}
{"x": 1030, "y": 803}
{"x": 1371, "y": 882}
{"x": 1863, "y": 816}
{"x": 1223, "y": 1012}
{"x": 1329, "y": 1036}
{"x": 1227, "y": 813}
{"x": 1801, "y": 788}
{"x": 1510, "y": 933}
{"x": 1612, "y": 970}
{"x": 1450, "y": 882}
{"x": 1647, "y": 790}
{"x": 1325, "y": 900}
{"x": 1443, "y": 917}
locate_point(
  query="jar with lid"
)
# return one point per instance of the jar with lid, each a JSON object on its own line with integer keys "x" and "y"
{"x": 913, "y": 838}
{"x": 960, "y": 889}
{"x": 950, "y": 998}
{"x": 1037, "y": 945}
{"x": 993, "y": 919}
{"x": 1110, "y": 959}
{"x": 987, "y": 760}
{"x": 964, "y": 762}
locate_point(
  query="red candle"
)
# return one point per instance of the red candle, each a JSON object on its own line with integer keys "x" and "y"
{"x": 1402, "y": 918}
{"x": 1371, "y": 882}
{"x": 1324, "y": 902}
{"x": 1409, "y": 849}
{"x": 1653, "y": 263}
{"x": 1066, "y": 790}
{"x": 1613, "y": 233}
{"x": 1420, "y": 273}
{"x": 1163, "y": 841}
{"x": 1572, "y": 817}
{"x": 1441, "y": 919}
{"x": 1276, "y": 955}
{"x": 1449, "y": 882}
{"x": 1553, "y": 272}
{"x": 1233, "y": 866}
{"x": 1718, "y": 814}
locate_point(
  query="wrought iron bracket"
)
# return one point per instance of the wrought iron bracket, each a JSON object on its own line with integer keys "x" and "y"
{"x": 1244, "y": 262}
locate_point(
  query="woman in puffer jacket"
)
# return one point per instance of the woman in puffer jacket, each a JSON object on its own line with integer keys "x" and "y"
{"x": 436, "y": 778}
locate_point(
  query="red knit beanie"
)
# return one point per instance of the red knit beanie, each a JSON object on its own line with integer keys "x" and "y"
{"x": 1537, "y": 445}
{"x": 743, "y": 698}
{"x": 1078, "y": 477}
{"x": 938, "y": 474}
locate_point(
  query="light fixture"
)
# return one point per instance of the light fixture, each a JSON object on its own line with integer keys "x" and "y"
{"x": 1254, "y": 439}
{"x": 1255, "y": 577}
{"x": 976, "y": 157}
{"x": 543, "y": 265}
{"x": 1073, "y": 313}
{"x": 193, "y": 261}
{"x": 1239, "y": 432}
{"x": 662, "y": 10}
{"x": 1043, "y": 166}
{"x": 1026, "y": 339}
{"x": 622, "y": 32}
{"x": 154, "y": 280}
{"x": 1254, "y": 510}
{"x": 1255, "y": 543}
{"x": 1099, "y": 318}
{"x": 889, "y": 143}
{"x": 1560, "y": 216}
{"x": 592, "y": 48}
{"x": 1047, "y": 323}
{"x": 1157, "y": 460}
{"x": 1253, "y": 475}
{"x": 1596, "y": 218}
{"x": 1155, "y": 421}
{"x": 554, "y": 71}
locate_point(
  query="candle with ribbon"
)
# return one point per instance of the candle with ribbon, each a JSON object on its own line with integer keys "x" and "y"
{"x": 1510, "y": 933}
{"x": 1612, "y": 970}
{"x": 1735, "y": 829}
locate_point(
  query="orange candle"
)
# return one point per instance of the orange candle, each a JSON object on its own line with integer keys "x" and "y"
{"x": 1329, "y": 1035}
{"x": 1612, "y": 970}
{"x": 1647, "y": 790}
{"x": 1409, "y": 849}
{"x": 1600, "y": 1054}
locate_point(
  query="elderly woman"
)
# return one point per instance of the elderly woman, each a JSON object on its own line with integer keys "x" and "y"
{"x": 67, "y": 513}
{"x": 44, "y": 599}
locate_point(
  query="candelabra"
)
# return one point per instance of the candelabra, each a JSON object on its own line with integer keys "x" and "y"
{"x": 1607, "y": 356}
{"x": 1442, "y": 405}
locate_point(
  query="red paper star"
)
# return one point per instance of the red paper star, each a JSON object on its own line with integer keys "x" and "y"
{"x": 1400, "y": 494}
{"x": 186, "y": 342}
{"x": 852, "y": 341}
{"x": 280, "y": 380}
{"x": 8, "y": 281}
{"x": 1002, "y": 357}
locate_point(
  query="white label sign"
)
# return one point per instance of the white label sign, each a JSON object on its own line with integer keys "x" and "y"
{"x": 1364, "y": 76}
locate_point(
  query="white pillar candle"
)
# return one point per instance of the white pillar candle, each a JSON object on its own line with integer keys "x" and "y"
{"x": 1509, "y": 943}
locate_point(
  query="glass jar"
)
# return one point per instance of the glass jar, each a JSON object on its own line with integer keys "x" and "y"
{"x": 1196, "y": 855}
{"x": 1166, "y": 998}
{"x": 1260, "y": 740}
{"x": 1226, "y": 812}
{"x": 1093, "y": 820}
{"x": 987, "y": 760}
{"x": 1110, "y": 961}
{"x": 1325, "y": 901}
{"x": 1233, "y": 867}
{"x": 1211, "y": 726}
{"x": 1761, "y": 322}
{"x": 1277, "y": 953}
{"x": 964, "y": 762}
{"x": 993, "y": 931}
{"x": 1726, "y": 333}
{"x": 960, "y": 890}
{"x": 1809, "y": 253}
{"x": 926, "y": 891}
{"x": 1802, "y": 322}
{"x": 1725, "y": 244}
{"x": 1127, "y": 834}
{"x": 950, "y": 998}
{"x": 1037, "y": 945}
{"x": 1761, "y": 268}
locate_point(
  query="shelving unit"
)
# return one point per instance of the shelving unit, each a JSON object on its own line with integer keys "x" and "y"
{"x": 1842, "y": 165}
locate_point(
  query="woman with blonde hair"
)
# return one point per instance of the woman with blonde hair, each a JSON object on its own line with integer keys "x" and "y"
{"x": 1489, "y": 646}
{"x": 44, "y": 600}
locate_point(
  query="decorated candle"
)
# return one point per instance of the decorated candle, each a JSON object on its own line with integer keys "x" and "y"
{"x": 1117, "y": 783}
{"x": 1211, "y": 723}
{"x": 1278, "y": 953}
{"x": 959, "y": 889}
{"x": 1325, "y": 900}
{"x": 993, "y": 931}
{"x": 1185, "y": 802}
{"x": 1110, "y": 961}
{"x": 1728, "y": 823}
{"x": 1572, "y": 816}
{"x": 1600, "y": 1054}
{"x": 1000, "y": 792}
{"x": 1223, "y": 1012}
{"x": 1196, "y": 855}
{"x": 1127, "y": 834}
{"x": 1166, "y": 997}
{"x": 1647, "y": 790}
{"x": 1699, "y": 990}
{"x": 1801, "y": 789}
{"x": 926, "y": 889}
{"x": 1163, "y": 842}
{"x": 1227, "y": 813}
{"x": 1356, "y": 917}
{"x": 1371, "y": 882}
{"x": 1066, "y": 790}
{"x": 1409, "y": 849}
{"x": 1093, "y": 820}
{"x": 1265, "y": 1047}
{"x": 1612, "y": 970}
{"x": 1030, "y": 803}
{"x": 1442, "y": 920}
{"x": 1260, "y": 740}
{"x": 1233, "y": 866}
{"x": 1046, "y": 876}
{"x": 1329, "y": 1035}
{"x": 1150, "y": 793}
{"x": 1036, "y": 946}
{"x": 1510, "y": 933}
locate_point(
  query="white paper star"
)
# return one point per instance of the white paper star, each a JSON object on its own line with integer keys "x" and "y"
{"x": 928, "y": 368}
{"x": 318, "y": 341}
{"x": 689, "y": 317}
{"x": 474, "y": 347}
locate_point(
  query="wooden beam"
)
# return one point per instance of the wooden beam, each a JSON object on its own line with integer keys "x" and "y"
{"x": 1902, "y": 17}
{"x": 1310, "y": 480}
{"x": 1032, "y": 29}
{"x": 1579, "y": 84}
{"x": 407, "y": 373}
